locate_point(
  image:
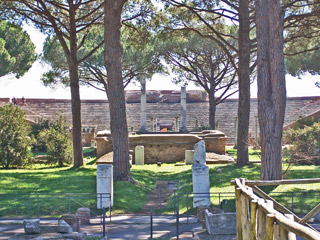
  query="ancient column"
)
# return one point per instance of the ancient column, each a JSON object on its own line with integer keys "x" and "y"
{"x": 183, "y": 117}
{"x": 143, "y": 106}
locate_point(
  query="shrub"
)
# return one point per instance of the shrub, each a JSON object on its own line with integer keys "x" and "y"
{"x": 39, "y": 145}
{"x": 304, "y": 144}
{"x": 14, "y": 141}
{"x": 58, "y": 143}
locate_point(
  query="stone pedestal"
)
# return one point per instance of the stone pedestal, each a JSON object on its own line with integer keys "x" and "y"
{"x": 139, "y": 155}
{"x": 189, "y": 157}
{"x": 84, "y": 215}
{"x": 201, "y": 186}
{"x": 104, "y": 186}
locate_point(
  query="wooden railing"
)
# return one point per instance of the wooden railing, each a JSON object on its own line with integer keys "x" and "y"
{"x": 264, "y": 218}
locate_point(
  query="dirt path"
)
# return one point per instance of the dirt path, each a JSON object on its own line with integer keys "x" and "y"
{"x": 154, "y": 198}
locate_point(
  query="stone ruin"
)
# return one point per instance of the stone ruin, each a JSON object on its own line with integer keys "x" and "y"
{"x": 60, "y": 229}
{"x": 165, "y": 148}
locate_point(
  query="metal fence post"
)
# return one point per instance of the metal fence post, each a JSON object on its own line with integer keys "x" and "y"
{"x": 292, "y": 201}
{"x": 160, "y": 201}
{"x": 104, "y": 221}
{"x": 69, "y": 204}
{"x": 29, "y": 214}
{"x": 151, "y": 223}
{"x": 177, "y": 221}
{"x": 110, "y": 206}
{"x": 38, "y": 206}
{"x": 187, "y": 207}
{"x": 175, "y": 202}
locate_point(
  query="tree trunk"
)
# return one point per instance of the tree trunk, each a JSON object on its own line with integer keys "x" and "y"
{"x": 113, "y": 62}
{"x": 212, "y": 111}
{"x": 271, "y": 86}
{"x": 76, "y": 116}
{"x": 244, "y": 84}
{"x": 75, "y": 94}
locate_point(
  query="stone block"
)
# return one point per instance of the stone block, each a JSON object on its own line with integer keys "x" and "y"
{"x": 84, "y": 215}
{"x": 189, "y": 156}
{"x": 31, "y": 226}
{"x": 194, "y": 96}
{"x": 201, "y": 186}
{"x": 104, "y": 186}
{"x": 72, "y": 220}
{"x": 220, "y": 224}
{"x": 64, "y": 227}
{"x": 139, "y": 155}
{"x": 153, "y": 96}
{"x": 104, "y": 145}
{"x": 132, "y": 96}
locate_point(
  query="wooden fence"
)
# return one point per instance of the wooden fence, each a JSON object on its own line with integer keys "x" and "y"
{"x": 264, "y": 218}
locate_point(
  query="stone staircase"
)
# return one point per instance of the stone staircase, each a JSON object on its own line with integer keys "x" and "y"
{"x": 95, "y": 113}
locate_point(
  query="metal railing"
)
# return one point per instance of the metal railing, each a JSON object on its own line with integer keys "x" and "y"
{"x": 24, "y": 205}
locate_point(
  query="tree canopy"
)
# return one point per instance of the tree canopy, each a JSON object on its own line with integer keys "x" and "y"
{"x": 202, "y": 61}
{"x": 139, "y": 57}
{"x": 17, "y": 52}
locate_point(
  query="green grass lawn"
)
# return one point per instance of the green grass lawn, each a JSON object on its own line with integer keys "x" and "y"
{"x": 130, "y": 198}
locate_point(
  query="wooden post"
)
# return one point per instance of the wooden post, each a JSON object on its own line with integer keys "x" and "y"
{"x": 253, "y": 219}
{"x": 245, "y": 220}
{"x": 239, "y": 212}
{"x": 311, "y": 214}
{"x": 269, "y": 226}
{"x": 262, "y": 220}
{"x": 291, "y": 235}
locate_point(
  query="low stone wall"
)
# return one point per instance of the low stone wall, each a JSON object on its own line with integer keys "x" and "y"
{"x": 165, "y": 148}
{"x": 220, "y": 224}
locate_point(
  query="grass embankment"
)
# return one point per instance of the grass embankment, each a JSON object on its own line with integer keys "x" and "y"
{"x": 130, "y": 198}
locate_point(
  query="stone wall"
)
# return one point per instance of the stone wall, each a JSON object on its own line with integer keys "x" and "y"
{"x": 165, "y": 148}
{"x": 95, "y": 113}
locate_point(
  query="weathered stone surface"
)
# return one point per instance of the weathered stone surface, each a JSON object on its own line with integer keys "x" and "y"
{"x": 201, "y": 186}
{"x": 201, "y": 212}
{"x": 139, "y": 155}
{"x": 84, "y": 215}
{"x": 220, "y": 224}
{"x": 189, "y": 156}
{"x": 96, "y": 112}
{"x": 194, "y": 96}
{"x": 199, "y": 156}
{"x": 153, "y": 96}
{"x": 63, "y": 227}
{"x": 165, "y": 148}
{"x": 104, "y": 186}
{"x": 213, "y": 158}
{"x": 31, "y": 226}
{"x": 50, "y": 236}
{"x": 104, "y": 145}
{"x": 170, "y": 98}
{"x": 72, "y": 220}
{"x": 105, "y": 159}
{"x": 132, "y": 96}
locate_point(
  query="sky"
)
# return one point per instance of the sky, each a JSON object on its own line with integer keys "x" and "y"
{"x": 30, "y": 86}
